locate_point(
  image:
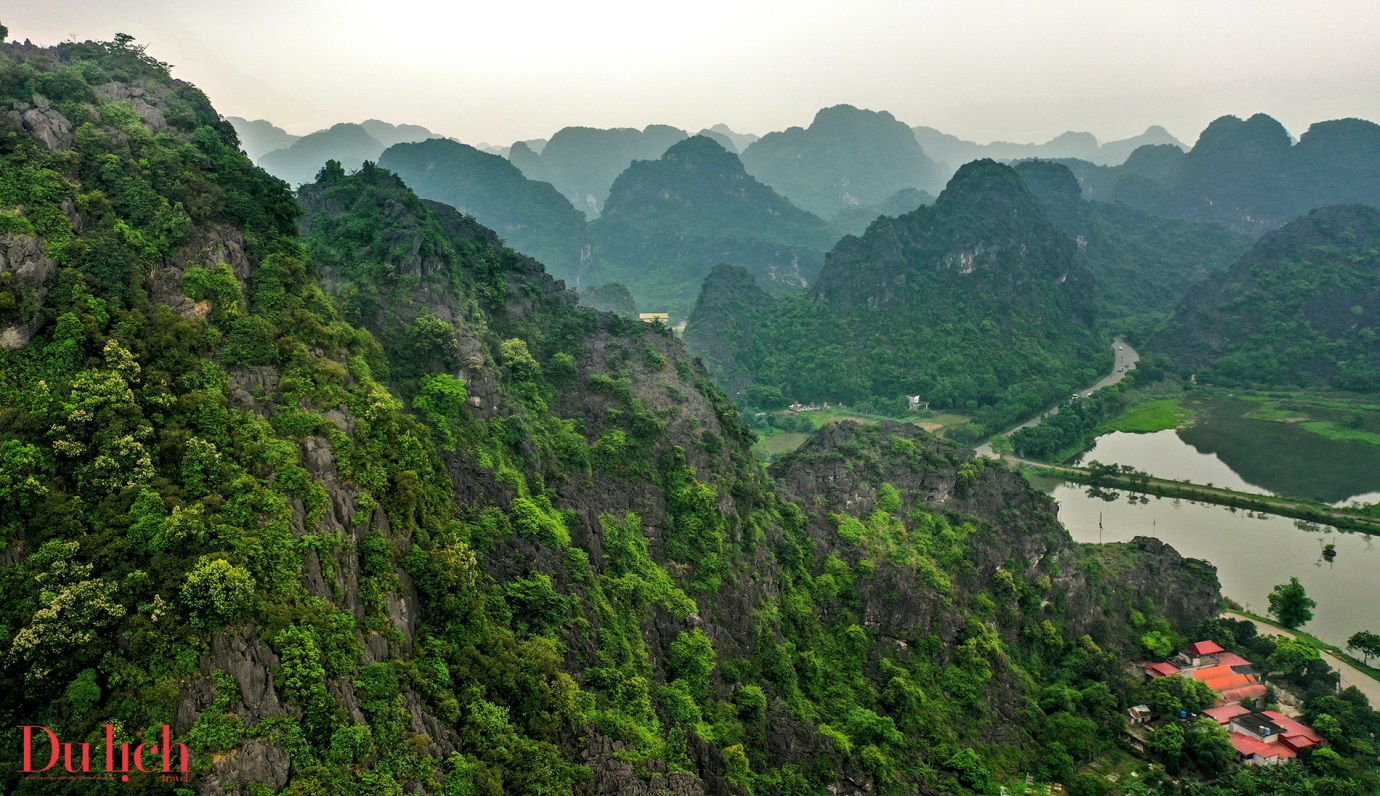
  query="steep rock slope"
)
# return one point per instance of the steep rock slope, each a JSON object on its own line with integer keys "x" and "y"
{"x": 668, "y": 221}
{"x": 1300, "y": 308}
{"x": 846, "y": 157}
{"x": 531, "y": 216}
{"x": 978, "y": 302}
{"x": 1143, "y": 262}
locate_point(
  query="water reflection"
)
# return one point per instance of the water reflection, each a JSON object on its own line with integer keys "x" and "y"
{"x": 1225, "y": 448}
{"x": 1253, "y": 552}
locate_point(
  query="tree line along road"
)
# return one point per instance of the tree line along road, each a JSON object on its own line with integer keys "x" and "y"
{"x": 1125, "y": 359}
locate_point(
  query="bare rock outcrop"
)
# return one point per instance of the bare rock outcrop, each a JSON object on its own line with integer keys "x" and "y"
{"x": 49, "y": 127}
{"x": 145, "y": 101}
{"x": 22, "y": 259}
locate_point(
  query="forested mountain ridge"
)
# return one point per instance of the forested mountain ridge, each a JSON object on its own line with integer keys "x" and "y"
{"x": 485, "y": 541}
{"x": 531, "y": 216}
{"x": 846, "y": 157}
{"x": 1143, "y": 263}
{"x": 1301, "y": 308}
{"x": 583, "y": 162}
{"x": 1249, "y": 175}
{"x": 977, "y": 302}
{"x": 668, "y": 221}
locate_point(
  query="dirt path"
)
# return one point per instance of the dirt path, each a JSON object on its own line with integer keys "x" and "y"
{"x": 1350, "y": 675}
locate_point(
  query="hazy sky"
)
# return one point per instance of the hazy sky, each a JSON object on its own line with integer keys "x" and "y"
{"x": 1017, "y": 70}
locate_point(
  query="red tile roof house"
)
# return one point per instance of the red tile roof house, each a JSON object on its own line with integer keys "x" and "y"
{"x": 1200, "y": 653}
{"x": 1232, "y": 683}
{"x": 1157, "y": 670}
{"x": 1269, "y": 738}
{"x": 1224, "y": 714}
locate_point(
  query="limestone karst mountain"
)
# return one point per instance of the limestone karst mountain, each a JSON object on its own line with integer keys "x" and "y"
{"x": 667, "y": 222}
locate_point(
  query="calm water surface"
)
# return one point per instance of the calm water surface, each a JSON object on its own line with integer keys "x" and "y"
{"x": 1226, "y": 448}
{"x": 1252, "y": 552}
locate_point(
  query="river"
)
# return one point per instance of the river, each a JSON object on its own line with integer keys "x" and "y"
{"x": 1252, "y": 552}
{"x": 1226, "y": 448}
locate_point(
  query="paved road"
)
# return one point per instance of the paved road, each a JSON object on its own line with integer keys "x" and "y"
{"x": 1126, "y": 359}
{"x": 1350, "y": 675}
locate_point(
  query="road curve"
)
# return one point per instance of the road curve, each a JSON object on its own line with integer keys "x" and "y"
{"x": 1350, "y": 674}
{"x": 1125, "y": 362}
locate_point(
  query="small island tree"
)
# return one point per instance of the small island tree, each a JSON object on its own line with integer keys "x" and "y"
{"x": 1291, "y": 605}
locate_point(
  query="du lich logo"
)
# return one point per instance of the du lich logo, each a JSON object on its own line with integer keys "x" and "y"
{"x": 42, "y": 751}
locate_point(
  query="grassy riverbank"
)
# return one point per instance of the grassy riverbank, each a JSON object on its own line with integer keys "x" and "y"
{"x": 1366, "y": 521}
{"x": 1150, "y": 416}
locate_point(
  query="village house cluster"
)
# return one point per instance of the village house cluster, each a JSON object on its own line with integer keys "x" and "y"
{"x": 1264, "y": 737}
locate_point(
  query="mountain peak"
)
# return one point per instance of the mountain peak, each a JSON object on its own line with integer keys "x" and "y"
{"x": 983, "y": 181}
{"x": 700, "y": 148}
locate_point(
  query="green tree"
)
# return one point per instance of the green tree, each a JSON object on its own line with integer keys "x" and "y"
{"x": 1366, "y": 643}
{"x": 1090, "y": 785}
{"x": 1168, "y": 742}
{"x": 1290, "y": 655}
{"x": 1210, "y": 747}
{"x": 1291, "y": 605}
{"x": 217, "y": 592}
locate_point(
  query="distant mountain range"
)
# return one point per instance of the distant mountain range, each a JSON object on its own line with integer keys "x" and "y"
{"x": 1247, "y": 174}
{"x": 954, "y": 152}
{"x": 847, "y": 157}
{"x": 668, "y": 221}
{"x": 1143, "y": 262}
{"x": 530, "y": 216}
{"x": 259, "y": 137}
{"x": 297, "y": 159}
{"x": 583, "y": 162}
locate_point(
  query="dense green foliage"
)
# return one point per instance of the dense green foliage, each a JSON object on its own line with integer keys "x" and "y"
{"x": 1074, "y": 422}
{"x": 370, "y": 506}
{"x": 1301, "y": 308}
{"x": 530, "y": 216}
{"x": 667, "y": 222}
{"x": 1291, "y": 605}
{"x": 1143, "y": 263}
{"x": 977, "y": 303}
{"x": 846, "y": 157}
